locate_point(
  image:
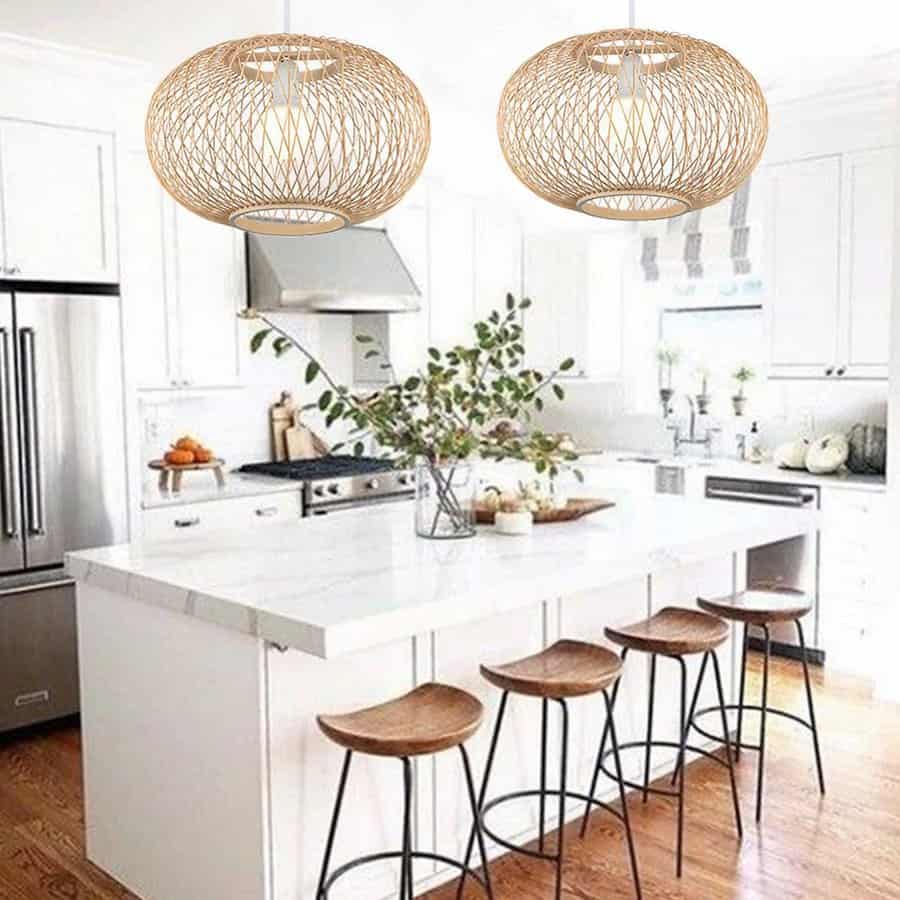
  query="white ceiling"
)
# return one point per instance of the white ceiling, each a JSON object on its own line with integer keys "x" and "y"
{"x": 461, "y": 53}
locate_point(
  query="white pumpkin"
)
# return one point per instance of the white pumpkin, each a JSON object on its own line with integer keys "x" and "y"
{"x": 791, "y": 455}
{"x": 826, "y": 455}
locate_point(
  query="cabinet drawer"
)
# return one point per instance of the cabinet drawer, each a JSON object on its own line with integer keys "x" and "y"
{"x": 217, "y": 515}
{"x": 38, "y": 655}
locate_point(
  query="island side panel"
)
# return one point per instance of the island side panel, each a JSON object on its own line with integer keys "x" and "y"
{"x": 584, "y": 616}
{"x": 305, "y": 768}
{"x": 174, "y": 751}
{"x": 681, "y": 586}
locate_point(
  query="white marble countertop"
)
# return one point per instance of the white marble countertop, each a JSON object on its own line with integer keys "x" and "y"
{"x": 733, "y": 468}
{"x": 202, "y": 488}
{"x": 360, "y": 578}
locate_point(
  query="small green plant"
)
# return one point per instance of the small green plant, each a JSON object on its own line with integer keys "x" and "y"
{"x": 742, "y": 376}
{"x": 667, "y": 358}
{"x": 449, "y": 410}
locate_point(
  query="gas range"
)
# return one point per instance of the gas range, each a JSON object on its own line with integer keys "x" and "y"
{"x": 341, "y": 482}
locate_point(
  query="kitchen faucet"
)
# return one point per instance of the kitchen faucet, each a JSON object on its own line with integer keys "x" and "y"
{"x": 678, "y": 441}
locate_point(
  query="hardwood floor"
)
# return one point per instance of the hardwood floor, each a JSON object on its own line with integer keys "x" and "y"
{"x": 841, "y": 847}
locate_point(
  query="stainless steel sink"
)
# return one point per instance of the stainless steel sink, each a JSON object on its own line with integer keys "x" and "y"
{"x": 650, "y": 460}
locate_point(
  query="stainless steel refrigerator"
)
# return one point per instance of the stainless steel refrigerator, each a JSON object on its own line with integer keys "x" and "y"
{"x": 62, "y": 479}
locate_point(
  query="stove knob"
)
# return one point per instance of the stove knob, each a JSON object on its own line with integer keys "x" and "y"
{"x": 319, "y": 491}
{"x": 334, "y": 489}
{"x": 403, "y": 478}
{"x": 372, "y": 484}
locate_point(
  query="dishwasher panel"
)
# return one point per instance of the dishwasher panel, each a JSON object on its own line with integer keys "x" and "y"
{"x": 792, "y": 563}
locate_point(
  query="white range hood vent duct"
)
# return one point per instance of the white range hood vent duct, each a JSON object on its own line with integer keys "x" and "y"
{"x": 354, "y": 270}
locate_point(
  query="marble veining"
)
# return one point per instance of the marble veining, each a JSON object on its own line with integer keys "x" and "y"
{"x": 345, "y": 582}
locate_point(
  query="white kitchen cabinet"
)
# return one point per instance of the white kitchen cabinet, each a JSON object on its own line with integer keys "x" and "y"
{"x": 802, "y": 252}
{"x": 58, "y": 195}
{"x": 868, "y": 244}
{"x": 498, "y": 259}
{"x": 188, "y": 519}
{"x": 851, "y": 605}
{"x": 183, "y": 282}
{"x": 829, "y": 254}
{"x": 556, "y": 279}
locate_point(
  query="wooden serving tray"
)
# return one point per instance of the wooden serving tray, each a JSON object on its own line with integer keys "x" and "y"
{"x": 574, "y": 509}
{"x": 164, "y": 468}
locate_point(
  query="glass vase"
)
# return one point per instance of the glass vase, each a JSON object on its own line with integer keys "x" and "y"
{"x": 445, "y": 500}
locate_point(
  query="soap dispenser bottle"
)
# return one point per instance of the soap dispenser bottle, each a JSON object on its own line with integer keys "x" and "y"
{"x": 756, "y": 449}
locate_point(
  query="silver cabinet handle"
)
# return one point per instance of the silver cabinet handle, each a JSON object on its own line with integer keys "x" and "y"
{"x": 267, "y": 511}
{"x": 7, "y": 469}
{"x": 33, "y": 473}
{"x": 187, "y": 523}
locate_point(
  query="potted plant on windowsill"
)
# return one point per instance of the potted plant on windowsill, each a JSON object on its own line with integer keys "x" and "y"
{"x": 743, "y": 375}
{"x": 667, "y": 359}
{"x": 445, "y": 414}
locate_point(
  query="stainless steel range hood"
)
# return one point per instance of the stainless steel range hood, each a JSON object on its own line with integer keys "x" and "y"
{"x": 354, "y": 270}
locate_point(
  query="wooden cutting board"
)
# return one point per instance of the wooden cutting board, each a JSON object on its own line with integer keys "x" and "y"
{"x": 574, "y": 509}
{"x": 303, "y": 443}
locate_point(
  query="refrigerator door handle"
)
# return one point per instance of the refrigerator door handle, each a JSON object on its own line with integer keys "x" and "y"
{"x": 7, "y": 469}
{"x": 33, "y": 473}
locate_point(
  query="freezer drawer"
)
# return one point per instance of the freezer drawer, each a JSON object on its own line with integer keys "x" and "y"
{"x": 38, "y": 654}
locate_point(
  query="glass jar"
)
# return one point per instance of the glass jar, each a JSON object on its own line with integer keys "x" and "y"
{"x": 445, "y": 500}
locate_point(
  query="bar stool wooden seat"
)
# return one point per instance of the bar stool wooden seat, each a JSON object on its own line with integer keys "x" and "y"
{"x": 565, "y": 670}
{"x": 763, "y": 606}
{"x": 674, "y": 633}
{"x": 427, "y": 720}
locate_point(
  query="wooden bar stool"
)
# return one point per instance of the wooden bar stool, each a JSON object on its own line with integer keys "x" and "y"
{"x": 673, "y": 633}
{"x": 567, "y": 669}
{"x": 432, "y": 718}
{"x": 763, "y": 607}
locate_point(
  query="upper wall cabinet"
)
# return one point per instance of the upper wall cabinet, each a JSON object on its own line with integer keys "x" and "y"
{"x": 868, "y": 247}
{"x": 556, "y": 279}
{"x": 183, "y": 282}
{"x": 57, "y": 195}
{"x": 829, "y": 234}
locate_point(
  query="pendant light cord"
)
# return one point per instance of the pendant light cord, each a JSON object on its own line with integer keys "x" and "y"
{"x": 286, "y": 9}
{"x": 631, "y": 6}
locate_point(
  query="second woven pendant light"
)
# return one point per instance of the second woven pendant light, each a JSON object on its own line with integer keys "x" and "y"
{"x": 632, "y": 124}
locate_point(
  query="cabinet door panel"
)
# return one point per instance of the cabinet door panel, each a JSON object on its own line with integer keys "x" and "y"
{"x": 871, "y": 239}
{"x": 804, "y": 288}
{"x": 146, "y": 291}
{"x": 58, "y": 203}
{"x": 209, "y": 274}
{"x": 457, "y": 655}
{"x": 555, "y": 275}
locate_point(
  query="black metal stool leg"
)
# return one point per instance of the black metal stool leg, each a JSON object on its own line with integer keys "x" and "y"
{"x": 542, "y": 801}
{"x": 762, "y": 725}
{"x": 476, "y": 827}
{"x": 563, "y": 767}
{"x": 622, "y": 798}
{"x": 689, "y": 721}
{"x": 740, "y": 721}
{"x": 406, "y": 858}
{"x": 727, "y": 741}
{"x": 648, "y": 752}
{"x": 679, "y": 844}
{"x": 812, "y": 712}
{"x": 482, "y": 795}
{"x": 332, "y": 831}
{"x": 610, "y": 709}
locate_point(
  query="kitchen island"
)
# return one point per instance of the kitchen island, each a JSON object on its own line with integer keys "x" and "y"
{"x": 204, "y": 661}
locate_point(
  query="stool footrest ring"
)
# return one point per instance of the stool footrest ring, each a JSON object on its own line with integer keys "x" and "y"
{"x": 671, "y": 745}
{"x": 735, "y": 707}
{"x": 519, "y": 795}
{"x": 395, "y": 854}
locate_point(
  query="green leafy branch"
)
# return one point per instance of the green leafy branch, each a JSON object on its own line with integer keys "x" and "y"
{"x": 459, "y": 404}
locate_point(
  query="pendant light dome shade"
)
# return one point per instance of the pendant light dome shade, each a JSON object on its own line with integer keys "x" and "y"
{"x": 287, "y": 134}
{"x": 632, "y": 124}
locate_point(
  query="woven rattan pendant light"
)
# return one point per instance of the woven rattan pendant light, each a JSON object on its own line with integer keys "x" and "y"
{"x": 632, "y": 124}
{"x": 287, "y": 134}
